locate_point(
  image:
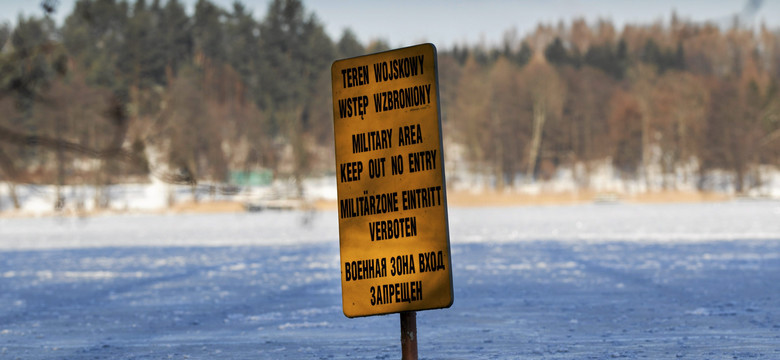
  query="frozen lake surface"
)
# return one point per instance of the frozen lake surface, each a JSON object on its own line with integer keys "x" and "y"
{"x": 698, "y": 281}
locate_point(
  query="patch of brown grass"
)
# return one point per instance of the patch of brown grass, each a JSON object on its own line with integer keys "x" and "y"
{"x": 206, "y": 207}
{"x": 494, "y": 198}
{"x": 509, "y": 198}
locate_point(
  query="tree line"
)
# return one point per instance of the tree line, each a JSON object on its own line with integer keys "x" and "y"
{"x": 664, "y": 105}
{"x": 122, "y": 91}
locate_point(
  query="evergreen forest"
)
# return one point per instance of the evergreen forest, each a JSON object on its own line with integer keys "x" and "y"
{"x": 126, "y": 91}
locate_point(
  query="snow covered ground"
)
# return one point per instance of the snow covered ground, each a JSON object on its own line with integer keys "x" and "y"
{"x": 691, "y": 281}
{"x": 37, "y": 200}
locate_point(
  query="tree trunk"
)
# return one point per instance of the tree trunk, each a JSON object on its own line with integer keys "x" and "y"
{"x": 499, "y": 168}
{"x": 540, "y": 115}
{"x": 14, "y": 198}
{"x": 8, "y": 168}
{"x": 645, "y": 145}
{"x": 171, "y": 196}
{"x": 194, "y": 191}
{"x": 59, "y": 201}
{"x": 740, "y": 181}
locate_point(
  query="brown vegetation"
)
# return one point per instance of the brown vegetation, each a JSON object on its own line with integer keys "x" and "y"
{"x": 123, "y": 91}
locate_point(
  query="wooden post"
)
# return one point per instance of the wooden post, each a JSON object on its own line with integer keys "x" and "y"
{"x": 409, "y": 335}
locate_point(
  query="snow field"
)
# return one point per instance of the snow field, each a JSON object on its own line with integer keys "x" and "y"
{"x": 579, "y": 282}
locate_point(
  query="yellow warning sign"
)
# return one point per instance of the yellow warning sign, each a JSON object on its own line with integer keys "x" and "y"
{"x": 392, "y": 201}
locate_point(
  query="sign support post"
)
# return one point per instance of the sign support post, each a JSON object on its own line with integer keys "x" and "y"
{"x": 409, "y": 335}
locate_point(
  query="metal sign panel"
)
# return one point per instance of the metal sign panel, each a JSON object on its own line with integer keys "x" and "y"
{"x": 392, "y": 201}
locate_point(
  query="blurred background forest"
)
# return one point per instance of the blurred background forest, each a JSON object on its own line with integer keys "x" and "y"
{"x": 129, "y": 92}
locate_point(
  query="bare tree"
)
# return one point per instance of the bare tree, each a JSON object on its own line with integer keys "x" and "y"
{"x": 547, "y": 93}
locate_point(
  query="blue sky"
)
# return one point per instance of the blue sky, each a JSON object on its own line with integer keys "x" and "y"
{"x": 448, "y": 22}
